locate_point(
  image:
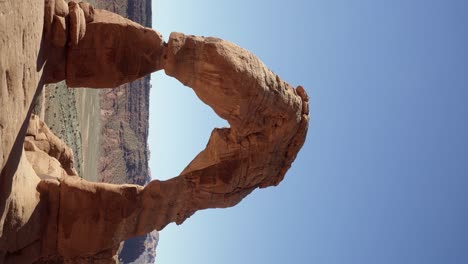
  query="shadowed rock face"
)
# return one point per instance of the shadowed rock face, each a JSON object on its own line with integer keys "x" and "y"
{"x": 268, "y": 124}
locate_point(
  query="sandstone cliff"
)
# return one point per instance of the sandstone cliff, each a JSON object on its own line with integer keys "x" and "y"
{"x": 20, "y": 82}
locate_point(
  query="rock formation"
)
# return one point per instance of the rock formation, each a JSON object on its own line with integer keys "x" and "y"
{"x": 98, "y": 49}
{"x": 20, "y": 81}
{"x": 46, "y": 152}
{"x": 268, "y": 124}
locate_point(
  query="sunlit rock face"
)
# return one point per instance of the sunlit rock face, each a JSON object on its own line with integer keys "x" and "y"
{"x": 75, "y": 221}
{"x": 21, "y": 24}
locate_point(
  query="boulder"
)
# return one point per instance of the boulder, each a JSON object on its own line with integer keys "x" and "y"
{"x": 39, "y": 139}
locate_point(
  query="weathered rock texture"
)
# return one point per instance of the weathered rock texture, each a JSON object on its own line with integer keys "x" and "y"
{"x": 21, "y": 24}
{"x": 113, "y": 147}
{"x": 268, "y": 120}
{"x": 42, "y": 145}
{"x": 44, "y": 157}
{"x": 115, "y": 51}
{"x": 268, "y": 124}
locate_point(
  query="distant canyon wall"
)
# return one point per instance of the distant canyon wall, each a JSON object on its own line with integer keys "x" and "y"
{"x": 107, "y": 128}
{"x": 125, "y": 121}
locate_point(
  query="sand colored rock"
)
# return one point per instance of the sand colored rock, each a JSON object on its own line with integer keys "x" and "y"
{"x": 20, "y": 72}
{"x": 41, "y": 143}
{"x": 56, "y": 38}
{"x": 88, "y": 11}
{"x": 43, "y": 165}
{"x": 23, "y": 218}
{"x": 26, "y": 220}
{"x": 77, "y": 23}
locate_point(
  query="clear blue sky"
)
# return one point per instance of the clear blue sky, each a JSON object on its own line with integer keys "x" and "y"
{"x": 383, "y": 176}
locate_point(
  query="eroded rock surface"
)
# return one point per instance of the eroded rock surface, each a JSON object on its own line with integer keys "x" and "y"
{"x": 46, "y": 152}
{"x": 97, "y": 48}
{"x": 27, "y": 219}
{"x": 82, "y": 220}
{"x": 268, "y": 123}
{"x": 21, "y": 24}
{"x": 114, "y": 51}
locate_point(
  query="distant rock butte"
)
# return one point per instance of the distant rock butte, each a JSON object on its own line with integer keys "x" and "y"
{"x": 83, "y": 221}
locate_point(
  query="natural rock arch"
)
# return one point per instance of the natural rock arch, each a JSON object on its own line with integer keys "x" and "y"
{"x": 268, "y": 124}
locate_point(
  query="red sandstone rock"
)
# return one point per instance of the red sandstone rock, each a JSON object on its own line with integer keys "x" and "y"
{"x": 21, "y": 210}
{"x": 49, "y": 10}
{"x": 268, "y": 121}
{"x": 54, "y": 70}
{"x": 114, "y": 51}
{"x": 77, "y": 23}
{"x": 58, "y": 31}
{"x": 39, "y": 139}
{"x": 268, "y": 124}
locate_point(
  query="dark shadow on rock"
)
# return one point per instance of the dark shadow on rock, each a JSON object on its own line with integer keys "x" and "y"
{"x": 41, "y": 56}
{"x": 33, "y": 230}
{"x": 11, "y": 165}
